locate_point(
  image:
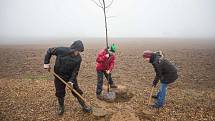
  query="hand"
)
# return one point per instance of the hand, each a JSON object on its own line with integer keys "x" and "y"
{"x": 70, "y": 84}
{"x": 107, "y": 55}
{"x": 47, "y": 66}
{"x": 154, "y": 84}
{"x": 108, "y": 72}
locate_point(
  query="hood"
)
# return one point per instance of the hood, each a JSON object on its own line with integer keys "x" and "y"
{"x": 77, "y": 46}
{"x": 155, "y": 58}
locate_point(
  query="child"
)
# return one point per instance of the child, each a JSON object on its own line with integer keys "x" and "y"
{"x": 166, "y": 72}
{"x": 105, "y": 64}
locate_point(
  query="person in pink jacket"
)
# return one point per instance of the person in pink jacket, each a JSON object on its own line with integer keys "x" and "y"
{"x": 104, "y": 66}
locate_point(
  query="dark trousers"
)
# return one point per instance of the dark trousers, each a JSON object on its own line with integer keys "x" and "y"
{"x": 60, "y": 88}
{"x": 100, "y": 81}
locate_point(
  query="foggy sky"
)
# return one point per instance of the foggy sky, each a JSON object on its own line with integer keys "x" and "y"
{"x": 131, "y": 18}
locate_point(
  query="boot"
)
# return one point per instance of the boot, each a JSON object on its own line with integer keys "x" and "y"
{"x": 154, "y": 96}
{"x": 113, "y": 86}
{"x": 157, "y": 106}
{"x": 84, "y": 106}
{"x": 61, "y": 106}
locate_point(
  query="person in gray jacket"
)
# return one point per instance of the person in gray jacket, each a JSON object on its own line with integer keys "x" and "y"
{"x": 166, "y": 72}
{"x": 67, "y": 65}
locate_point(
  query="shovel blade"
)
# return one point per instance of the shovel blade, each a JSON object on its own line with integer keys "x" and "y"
{"x": 110, "y": 96}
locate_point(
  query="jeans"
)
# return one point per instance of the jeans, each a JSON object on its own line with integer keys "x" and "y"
{"x": 100, "y": 81}
{"x": 161, "y": 95}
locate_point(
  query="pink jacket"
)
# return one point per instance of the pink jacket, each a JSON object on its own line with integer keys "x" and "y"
{"x": 104, "y": 63}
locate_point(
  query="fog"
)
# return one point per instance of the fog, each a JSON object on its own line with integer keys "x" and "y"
{"x": 57, "y": 19}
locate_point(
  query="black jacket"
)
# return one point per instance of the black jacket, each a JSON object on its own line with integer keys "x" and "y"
{"x": 67, "y": 65}
{"x": 166, "y": 72}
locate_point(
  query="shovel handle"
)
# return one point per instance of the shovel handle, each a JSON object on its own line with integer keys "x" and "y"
{"x": 150, "y": 96}
{"x": 108, "y": 85}
{"x": 73, "y": 90}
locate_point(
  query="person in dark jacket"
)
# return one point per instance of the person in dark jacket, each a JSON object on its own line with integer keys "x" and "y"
{"x": 166, "y": 72}
{"x": 67, "y": 65}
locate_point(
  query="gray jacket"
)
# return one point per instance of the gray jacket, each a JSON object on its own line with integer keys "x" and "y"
{"x": 166, "y": 72}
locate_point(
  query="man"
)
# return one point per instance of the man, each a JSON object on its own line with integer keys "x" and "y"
{"x": 105, "y": 64}
{"x": 67, "y": 65}
{"x": 166, "y": 72}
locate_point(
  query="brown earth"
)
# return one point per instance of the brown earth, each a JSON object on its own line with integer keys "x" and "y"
{"x": 27, "y": 90}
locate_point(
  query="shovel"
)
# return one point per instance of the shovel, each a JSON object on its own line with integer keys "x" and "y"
{"x": 110, "y": 96}
{"x": 73, "y": 90}
{"x": 150, "y": 96}
{"x": 98, "y": 112}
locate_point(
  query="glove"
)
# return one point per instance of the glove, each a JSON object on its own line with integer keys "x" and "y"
{"x": 70, "y": 84}
{"x": 154, "y": 84}
{"x": 47, "y": 66}
{"x": 107, "y": 55}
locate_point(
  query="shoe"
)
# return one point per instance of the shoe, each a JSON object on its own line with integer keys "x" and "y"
{"x": 113, "y": 86}
{"x": 84, "y": 106}
{"x": 61, "y": 110}
{"x": 87, "y": 109}
{"x": 100, "y": 96}
{"x": 155, "y": 96}
{"x": 157, "y": 106}
{"x": 61, "y": 106}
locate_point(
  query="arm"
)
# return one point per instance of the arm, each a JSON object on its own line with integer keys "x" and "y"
{"x": 49, "y": 53}
{"x": 101, "y": 58}
{"x": 54, "y": 51}
{"x": 112, "y": 62}
{"x": 158, "y": 71}
{"x": 75, "y": 73}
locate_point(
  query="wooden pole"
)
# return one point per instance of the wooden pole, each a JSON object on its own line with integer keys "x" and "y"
{"x": 150, "y": 96}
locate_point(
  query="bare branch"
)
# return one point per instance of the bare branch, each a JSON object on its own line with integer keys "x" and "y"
{"x": 97, "y": 4}
{"x": 109, "y": 4}
{"x": 101, "y": 3}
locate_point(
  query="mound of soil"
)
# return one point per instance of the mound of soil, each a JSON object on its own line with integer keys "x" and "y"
{"x": 124, "y": 116}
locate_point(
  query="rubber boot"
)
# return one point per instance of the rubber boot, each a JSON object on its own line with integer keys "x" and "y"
{"x": 61, "y": 106}
{"x": 84, "y": 106}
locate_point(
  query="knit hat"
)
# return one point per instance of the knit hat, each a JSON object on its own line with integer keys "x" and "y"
{"x": 113, "y": 48}
{"x": 147, "y": 54}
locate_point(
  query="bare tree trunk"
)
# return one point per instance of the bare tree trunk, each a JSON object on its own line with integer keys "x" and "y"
{"x": 106, "y": 30}
{"x": 104, "y": 6}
